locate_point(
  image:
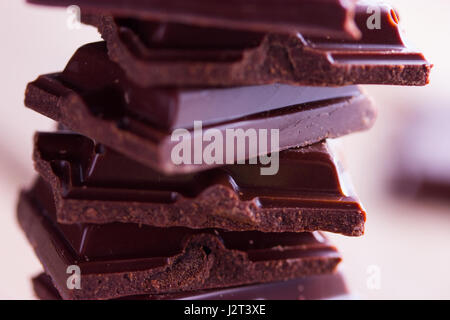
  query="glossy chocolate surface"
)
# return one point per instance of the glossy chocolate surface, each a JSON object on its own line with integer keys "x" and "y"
{"x": 93, "y": 183}
{"x": 130, "y": 241}
{"x": 82, "y": 164}
{"x": 161, "y": 53}
{"x": 106, "y": 113}
{"x": 128, "y": 259}
{"x": 329, "y": 17}
{"x": 388, "y": 34}
{"x": 105, "y": 87}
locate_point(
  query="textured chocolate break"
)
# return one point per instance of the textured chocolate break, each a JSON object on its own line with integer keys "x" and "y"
{"x": 329, "y": 286}
{"x": 92, "y": 183}
{"x": 160, "y": 53}
{"x": 94, "y": 97}
{"x": 109, "y": 93}
{"x": 118, "y": 260}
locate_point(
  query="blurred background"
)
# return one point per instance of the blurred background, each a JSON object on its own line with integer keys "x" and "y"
{"x": 405, "y": 252}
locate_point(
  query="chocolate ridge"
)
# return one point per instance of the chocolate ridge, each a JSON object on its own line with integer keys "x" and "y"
{"x": 380, "y": 57}
{"x": 107, "y": 90}
{"x": 298, "y": 125}
{"x": 204, "y": 262}
{"x": 217, "y": 204}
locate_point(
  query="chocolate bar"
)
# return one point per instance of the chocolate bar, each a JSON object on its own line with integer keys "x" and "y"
{"x": 161, "y": 53}
{"x": 422, "y": 157}
{"x": 100, "y": 82}
{"x": 93, "y": 184}
{"x": 118, "y": 260}
{"x": 323, "y": 287}
{"x": 94, "y": 97}
{"x": 329, "y": 17}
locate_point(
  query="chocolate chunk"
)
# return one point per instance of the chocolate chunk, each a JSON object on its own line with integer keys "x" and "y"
{"x": 330, "y": 286}
{"x": 161, "y": 53}
{"x": 119, "y": 260}
{"x": 329, "y": 17}
{"x": 44, "y": 289}
{"x": 101, "y": 83}
{"x": 93, "y": 97}
{"x": 94, "y": 184}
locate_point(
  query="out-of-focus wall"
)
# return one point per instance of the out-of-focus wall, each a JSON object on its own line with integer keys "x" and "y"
{"x": 35, "y": 40}
{"x": 406, "y": 242}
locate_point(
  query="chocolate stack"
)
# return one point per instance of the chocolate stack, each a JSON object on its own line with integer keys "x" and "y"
{"x": 142, "y": 193}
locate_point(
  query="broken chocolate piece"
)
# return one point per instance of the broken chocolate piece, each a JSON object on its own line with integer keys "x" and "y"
{"x": 94, "y": 184}
{"x": 93, "y": 97}
{"x": 118, "y": 260}
{"x": 160, "y": 53}
{"x": 325, "y": 17}
{"x": 104, "y": 87}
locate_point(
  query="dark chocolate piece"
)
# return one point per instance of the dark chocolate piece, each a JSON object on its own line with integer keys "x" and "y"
{"x": 93, "y": 184}
{"x": 93, "y": 97}
{"x": 323, "y": 287}
{"x": 422, "y": 154}
{"x": 153, "y": 53}
{"x": 325, "y": 17}
{"x": 44, "y": 289}
{"x": 104, "y": 86}
{"x": 118, "y": 260}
